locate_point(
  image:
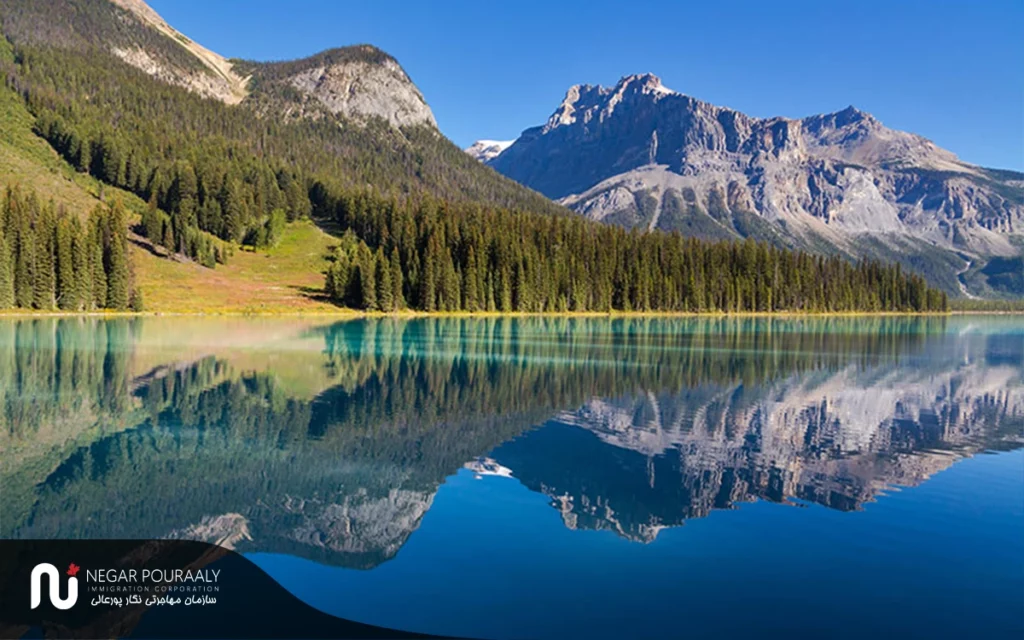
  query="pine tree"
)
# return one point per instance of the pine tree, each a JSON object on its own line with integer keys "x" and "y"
{"x": 385, "y": 291}
{"x": 338, "y": 275}
{"x": 505, "y": 298}
{"x": 450, "y": 288}
{"x": 67, "y": 291}
{"x": 235, "y": 210}
{"x": 395, "y": 266}
{"x": 82, "y": 154}
{"x": 96, "y": 262}
{"x": 182, "y": 200}
{"x": 428, "y": 278}
{"x": 81, "y": 261}
{"x": 367, "y": 279}
{"x": 43, "y": 276}
{"x": 136, "y": 304}
{"x": 117, "y": 269}
{"x": 471, "y": 294}
{"x": 24, "y": 261}
{"x": 6, "y": 273}
{"x": 153, "y": 222}
{"x": 298, "y": 200}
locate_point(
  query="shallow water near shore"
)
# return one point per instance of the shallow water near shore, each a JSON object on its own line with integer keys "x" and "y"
{"x": 547, "y": 477}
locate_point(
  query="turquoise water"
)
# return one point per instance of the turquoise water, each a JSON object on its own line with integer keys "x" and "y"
{"x": 548, "y": 478}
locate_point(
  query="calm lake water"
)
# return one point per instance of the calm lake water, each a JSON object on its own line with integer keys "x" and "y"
{"x": 548, "y": 478}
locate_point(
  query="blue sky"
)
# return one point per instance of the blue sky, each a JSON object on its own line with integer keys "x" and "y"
{"x": 951, "y": 71}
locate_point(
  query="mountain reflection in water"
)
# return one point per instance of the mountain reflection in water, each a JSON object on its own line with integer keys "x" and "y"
{"x": 329, "y": 441}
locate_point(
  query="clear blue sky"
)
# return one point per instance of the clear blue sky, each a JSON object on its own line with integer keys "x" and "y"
{"x": 951, "y": 71}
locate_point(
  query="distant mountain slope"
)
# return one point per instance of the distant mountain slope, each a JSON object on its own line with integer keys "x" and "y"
{"x": 351, "y": 114}
{"x": 485, "y": 150}
{"x": 641, "y": 155}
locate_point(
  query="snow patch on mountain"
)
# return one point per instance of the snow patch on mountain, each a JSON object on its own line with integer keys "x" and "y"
{"x": 487, "y": 150}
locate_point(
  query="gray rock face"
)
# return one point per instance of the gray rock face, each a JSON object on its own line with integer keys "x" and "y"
{"x": 639, "y": 154}
{"x": 354, "y": 82}
{"x": 358, "y": 89}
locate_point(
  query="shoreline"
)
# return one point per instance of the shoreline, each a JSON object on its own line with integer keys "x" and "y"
{"x": 409, "y": 314}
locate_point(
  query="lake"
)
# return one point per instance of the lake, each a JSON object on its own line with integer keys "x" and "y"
{"x": 548, "y": 477}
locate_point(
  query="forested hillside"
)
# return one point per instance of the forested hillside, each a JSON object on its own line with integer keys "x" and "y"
{"x": 438, "y": 256}
{"x": 420, "y": 224}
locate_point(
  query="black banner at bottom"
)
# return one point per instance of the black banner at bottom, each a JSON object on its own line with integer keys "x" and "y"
{"x": 153, "y": 589}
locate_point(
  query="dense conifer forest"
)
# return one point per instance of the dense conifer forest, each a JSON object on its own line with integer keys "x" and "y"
{"x": 52, "y": 259}
{"x": 420, "y": 224}
{"x": 440, "y": 256}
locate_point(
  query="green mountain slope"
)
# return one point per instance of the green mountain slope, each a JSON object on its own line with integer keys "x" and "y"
{"x": 121, "y": 77}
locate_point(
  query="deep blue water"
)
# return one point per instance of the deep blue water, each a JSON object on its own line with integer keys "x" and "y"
{"x": 549, "y": 478}
{"x": 492, "y": 559}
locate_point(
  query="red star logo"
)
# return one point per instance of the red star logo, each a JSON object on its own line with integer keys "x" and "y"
{"x": 73, "y": 569}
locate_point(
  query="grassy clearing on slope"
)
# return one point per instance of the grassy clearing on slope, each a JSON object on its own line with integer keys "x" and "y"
{"x": 286, "y": 279}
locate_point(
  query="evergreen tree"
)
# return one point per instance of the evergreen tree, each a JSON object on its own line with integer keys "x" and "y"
{"x": 428, "y": 278}
{"x": 82, "y": 262}
{"x": 43, "y": 276}
{"x": 385, "y": 290}
{"x": 136, "y": 304}
{"x": 98, "y": 268}
{"x": 117, "y": 269}
{"x": 450, "y": 293}
{"x": 67, "y": 289}
{"x": 395, "y": 266}
{"x": 367, "y": 279}
{"x": 6, "y": 273}
{"x": 470, "y": 282}
{"x": 24, "y": 258}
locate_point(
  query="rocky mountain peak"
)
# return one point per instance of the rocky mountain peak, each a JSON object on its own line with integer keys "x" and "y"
{"x": 642, "y": 83}
{"x": 640, "y": 154}
{"x": 852, "y": 114}
{"x": 355, "y": 82}
{"x": 584, "y": 102}
{"x": 850, "y": 120}
{"x": 576, "y": 98}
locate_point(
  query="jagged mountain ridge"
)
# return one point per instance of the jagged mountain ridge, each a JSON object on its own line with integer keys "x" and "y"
{"x": 641, "y": 155}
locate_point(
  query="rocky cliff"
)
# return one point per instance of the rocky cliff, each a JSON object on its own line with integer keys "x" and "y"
{"x": 642, "y": 155}
{"x": 357, "y": 83}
